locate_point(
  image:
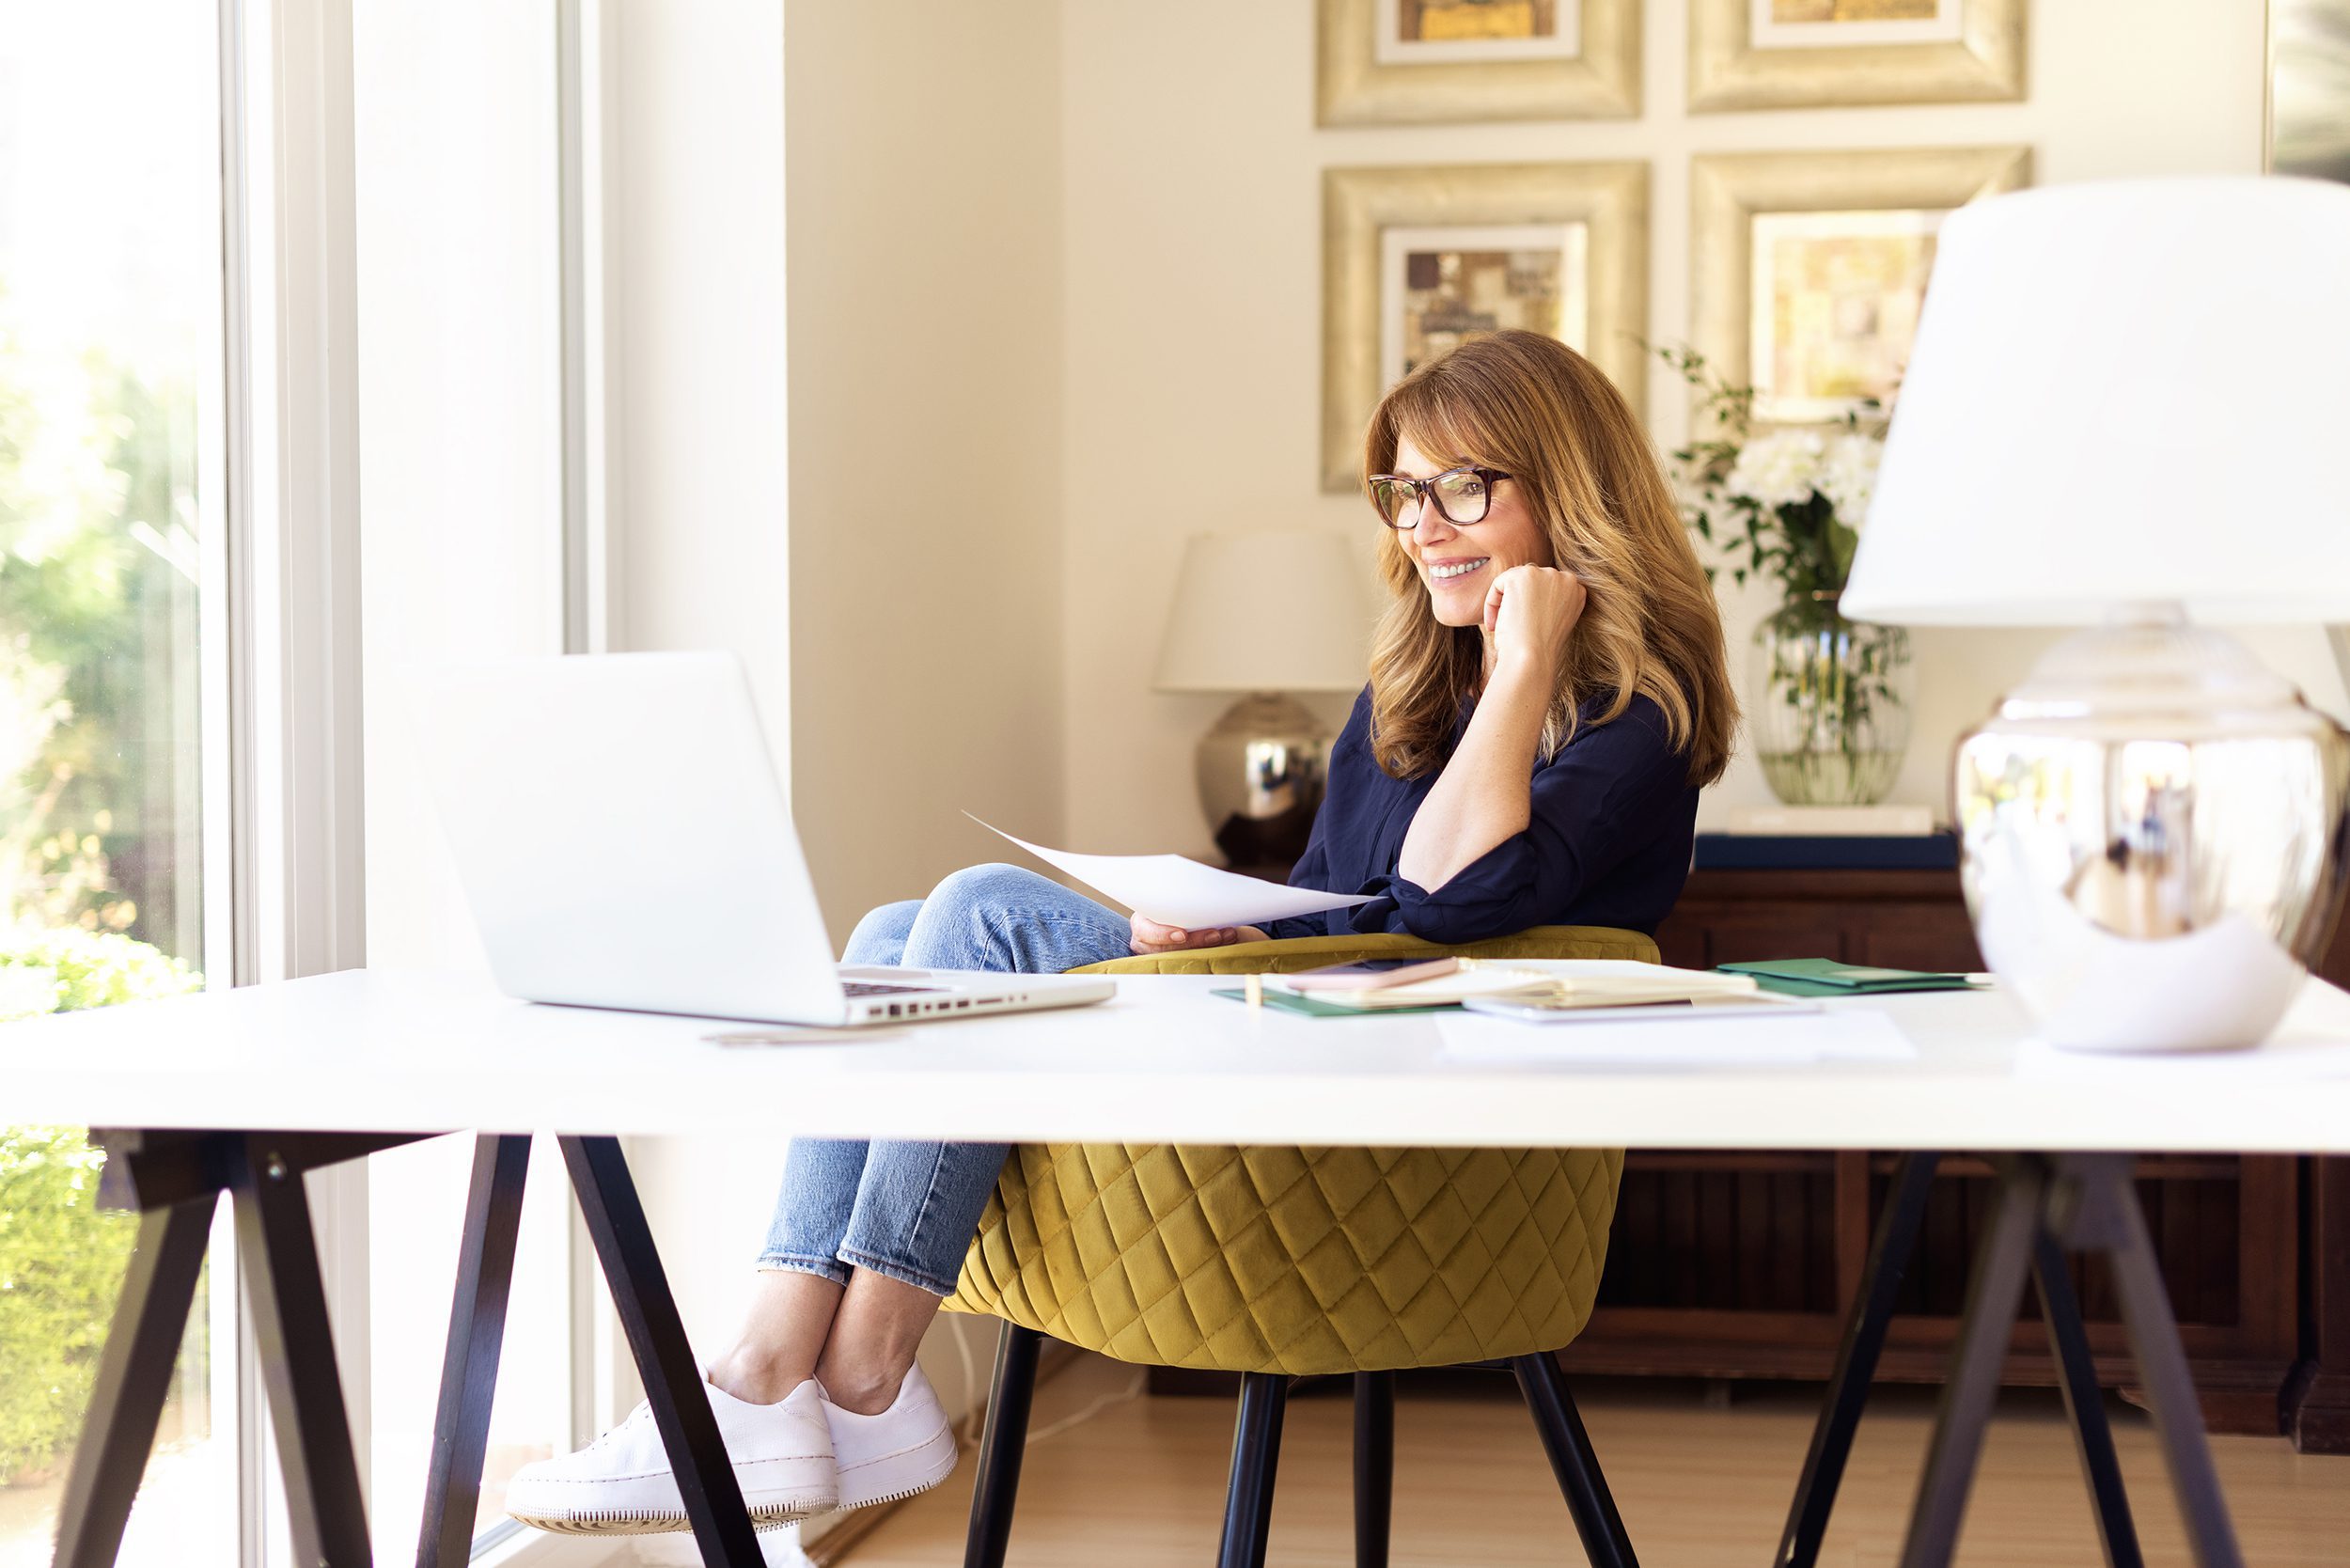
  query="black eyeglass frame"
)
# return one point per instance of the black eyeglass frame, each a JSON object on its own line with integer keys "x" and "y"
{"x": 1424, "y": 490}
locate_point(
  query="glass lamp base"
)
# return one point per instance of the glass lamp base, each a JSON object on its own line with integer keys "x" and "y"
{"x": 2151, "y": 833}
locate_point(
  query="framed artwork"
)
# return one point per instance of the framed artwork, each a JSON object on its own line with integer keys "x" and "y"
{"x": 2309, "y": 88}
{"x": 1808, "y": 269}
{"x": 1793, "y": 53}
{"x": 1416, "y": 260}
{"x": 1395, "y": 62}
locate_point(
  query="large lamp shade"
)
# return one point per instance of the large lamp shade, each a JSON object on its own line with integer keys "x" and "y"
{"x": 2121, "y": 393}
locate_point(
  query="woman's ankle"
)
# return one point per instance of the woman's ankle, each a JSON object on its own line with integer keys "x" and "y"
{"x": 755, "y": 1377}
{"x": 860, "y": 1390}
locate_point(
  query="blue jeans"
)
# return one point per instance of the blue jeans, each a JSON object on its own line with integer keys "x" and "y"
{"x": 909, "y": 1210}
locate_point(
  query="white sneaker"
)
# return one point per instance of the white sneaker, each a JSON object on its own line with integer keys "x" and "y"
{"x": 621, "y": 1483}
{"x": 908, "y": 1448}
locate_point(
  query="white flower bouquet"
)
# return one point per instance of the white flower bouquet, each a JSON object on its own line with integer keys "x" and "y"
{"x": 1788, "y": 503}
{"x": 1829, "y": 709}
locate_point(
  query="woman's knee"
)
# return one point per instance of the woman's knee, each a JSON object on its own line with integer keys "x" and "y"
{"x": 881, "y": 936}
{"x": 990, "y": 886}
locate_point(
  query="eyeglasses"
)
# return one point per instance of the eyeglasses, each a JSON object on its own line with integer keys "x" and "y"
{"x": 1462, "y": 494}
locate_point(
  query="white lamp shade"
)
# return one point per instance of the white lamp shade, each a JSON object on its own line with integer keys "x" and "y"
{"x": 1283, "y": 610}
{"x": 2121, "y": 393}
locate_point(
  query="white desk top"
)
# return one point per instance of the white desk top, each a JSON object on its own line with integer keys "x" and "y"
{"x": 369, "y": 1051}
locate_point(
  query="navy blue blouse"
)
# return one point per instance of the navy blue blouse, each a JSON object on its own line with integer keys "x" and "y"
{"x": 1614, "y": 820}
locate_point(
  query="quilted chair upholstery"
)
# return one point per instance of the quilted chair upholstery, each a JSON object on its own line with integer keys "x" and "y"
{"x": 1280, "y": 1262}
{"x": 1302, "y": 1261}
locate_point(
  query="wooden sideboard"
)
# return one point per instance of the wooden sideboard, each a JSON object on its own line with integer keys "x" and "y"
{"x": 1739, "y": 1264}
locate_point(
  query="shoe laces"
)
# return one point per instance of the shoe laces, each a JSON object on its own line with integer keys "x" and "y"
{"x": 641, "y": 1413}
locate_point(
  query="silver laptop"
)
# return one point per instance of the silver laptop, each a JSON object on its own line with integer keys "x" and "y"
{"x": 622, "y": 839}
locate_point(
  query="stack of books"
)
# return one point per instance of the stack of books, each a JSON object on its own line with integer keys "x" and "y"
{"x": 1814, "y": 837}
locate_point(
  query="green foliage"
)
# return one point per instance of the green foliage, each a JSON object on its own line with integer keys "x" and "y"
{"x": 61, "y": 1258}
{"x": 93, "y": 459}
{"x": 61, "y": 1266}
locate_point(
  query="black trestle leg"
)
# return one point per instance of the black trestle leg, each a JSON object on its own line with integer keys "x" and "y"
{"x": 665, "y": 1359}
{"x": 133, "y": 1378}
{"x": 2162, "y": 1367}
{"x": 278, "y": 1254}
{"x": 1374, "y": 1466}
{"x": 1993, "y": 1292}
{"x": 1002, "y": 1446}
{"x": 2085, "y": 1403}
{"x": 1255, "y": 1452}
{"x": 1890, "y": 1253}
{"x": 477, "y": 1332}
{"x": 1572, "y": 1460}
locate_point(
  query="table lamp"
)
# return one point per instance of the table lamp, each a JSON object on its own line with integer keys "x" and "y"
{"x": 2126, "y": 408}
{"x": 1265, "y": 614}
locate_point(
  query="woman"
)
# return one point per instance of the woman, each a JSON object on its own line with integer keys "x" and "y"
{"x": 1547, "y": 693}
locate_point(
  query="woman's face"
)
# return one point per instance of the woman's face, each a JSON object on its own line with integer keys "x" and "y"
{"x": 1458, "y": 565}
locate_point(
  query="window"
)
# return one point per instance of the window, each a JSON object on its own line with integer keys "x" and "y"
{"x": 111, "y": 335}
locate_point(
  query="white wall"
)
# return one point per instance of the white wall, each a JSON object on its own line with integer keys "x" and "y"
{"x": 1193, "y": 269}
{"x": 924, "y": 180}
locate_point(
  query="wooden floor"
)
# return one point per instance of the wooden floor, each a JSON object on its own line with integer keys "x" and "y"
{"x": 1141, "y": 1483}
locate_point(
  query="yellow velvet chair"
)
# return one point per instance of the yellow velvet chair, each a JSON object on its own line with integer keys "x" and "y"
{"x": 1278, "y": 1264}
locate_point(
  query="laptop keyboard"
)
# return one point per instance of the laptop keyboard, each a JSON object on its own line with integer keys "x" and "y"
{"x": 872, "y": 988}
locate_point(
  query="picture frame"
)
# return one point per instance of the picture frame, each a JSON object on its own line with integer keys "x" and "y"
{"x": 1592, "y": 218}
{"x": 1828, "y": 328}
{"x": 1805, "y": 54}
{"x": 1569, "y": 59}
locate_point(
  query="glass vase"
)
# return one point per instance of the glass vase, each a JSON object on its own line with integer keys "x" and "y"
{"x": 1828, "y": 704}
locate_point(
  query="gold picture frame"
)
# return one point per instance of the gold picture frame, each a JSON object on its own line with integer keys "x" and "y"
{"x": 1960, "y": 51}
{"x": 1876, "y": 190}
{"x": 1590, "y": 68}
{"x": 1601, "y": 207}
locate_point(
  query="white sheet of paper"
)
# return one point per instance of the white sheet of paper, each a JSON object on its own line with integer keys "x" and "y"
{"x": 1845, "y": 1034}
{"x": 1175, "y": 891}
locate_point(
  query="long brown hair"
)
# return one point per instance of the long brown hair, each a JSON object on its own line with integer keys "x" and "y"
{"x": 1543, "y": 413}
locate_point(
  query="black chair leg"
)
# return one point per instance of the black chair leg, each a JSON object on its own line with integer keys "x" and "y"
{"x": 1003, "y": 1446}
{"x": 1374, "y": 1466}
{"x": 1572, "y": 1460}
{"x": 1255, "y": 1451}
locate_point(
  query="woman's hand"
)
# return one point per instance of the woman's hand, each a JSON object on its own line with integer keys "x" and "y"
{"x": 1528, "y": 612}
{"x": 1151, "y": 937}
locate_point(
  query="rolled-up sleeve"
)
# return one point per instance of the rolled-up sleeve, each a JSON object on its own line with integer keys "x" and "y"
{"x": 1608, "y": 794}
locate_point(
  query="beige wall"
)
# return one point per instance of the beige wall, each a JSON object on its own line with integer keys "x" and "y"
{"x": 1193, "y": 288}
{"x": 924, "y": 178}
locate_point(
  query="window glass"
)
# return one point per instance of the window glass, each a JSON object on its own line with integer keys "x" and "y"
{"x": 110, "y": 344}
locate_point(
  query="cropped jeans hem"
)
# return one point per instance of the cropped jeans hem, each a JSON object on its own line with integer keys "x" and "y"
{"x": 836, "y": 1269}
{"x": 792, "y": 1263}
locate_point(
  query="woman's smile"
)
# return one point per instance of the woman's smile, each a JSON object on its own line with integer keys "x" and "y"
{"x": 1448, "y": 571}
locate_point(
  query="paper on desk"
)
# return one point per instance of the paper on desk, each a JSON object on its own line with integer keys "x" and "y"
{"x": 1180, "y": 892}
{"x": 1855, "y": 1034}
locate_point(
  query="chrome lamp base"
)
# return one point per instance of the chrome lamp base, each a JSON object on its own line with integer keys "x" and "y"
{"x": 2153, "y": 837}
{"x": 1262, "y": 773}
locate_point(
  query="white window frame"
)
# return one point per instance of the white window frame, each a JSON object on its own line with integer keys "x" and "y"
{"x": 286, "y": 814}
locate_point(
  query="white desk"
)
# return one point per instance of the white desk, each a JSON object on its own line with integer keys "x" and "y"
{"x": 238, "y": 1091}
{"x": 368, "y": 1051}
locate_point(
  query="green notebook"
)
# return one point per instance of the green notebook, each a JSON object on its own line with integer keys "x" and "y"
{"x": 1826, "y": 976}
{"x": 1290, "y": 1001}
